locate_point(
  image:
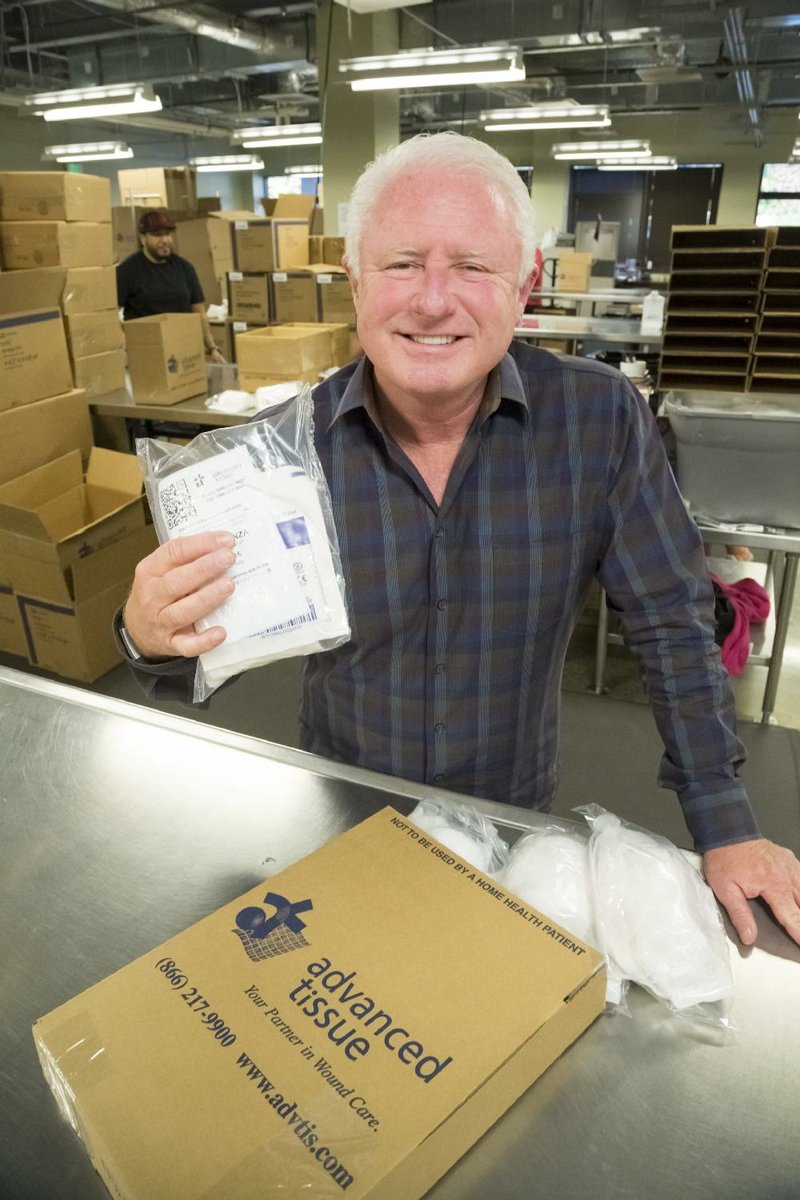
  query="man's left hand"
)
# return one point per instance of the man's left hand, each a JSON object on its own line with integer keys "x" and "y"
{"x": 216, "y": 355}
{"x": 741, "y": 872}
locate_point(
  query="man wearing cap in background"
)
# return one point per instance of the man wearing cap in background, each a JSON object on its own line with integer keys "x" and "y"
{"x": 157, "y": 280}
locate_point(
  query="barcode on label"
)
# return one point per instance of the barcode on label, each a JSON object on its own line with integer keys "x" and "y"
{"x": 304, "y": 619}
{"x": 176, "y": 503}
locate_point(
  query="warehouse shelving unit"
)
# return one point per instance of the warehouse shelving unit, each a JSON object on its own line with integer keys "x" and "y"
{"x": 776, "y": 361}
{"x": 713, "y": 305}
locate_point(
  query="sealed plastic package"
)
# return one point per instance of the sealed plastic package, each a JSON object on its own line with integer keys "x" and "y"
{"x": 549, "y": 869}
{"x": 263, "y": 483}
{"x": 658, "y": 919}
{"x": 464, "y": 830}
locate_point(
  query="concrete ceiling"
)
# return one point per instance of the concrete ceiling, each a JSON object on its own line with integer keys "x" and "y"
{"x": 214, "y": 65}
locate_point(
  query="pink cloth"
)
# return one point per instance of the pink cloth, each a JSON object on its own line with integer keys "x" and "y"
{"x": 750, "y": 603}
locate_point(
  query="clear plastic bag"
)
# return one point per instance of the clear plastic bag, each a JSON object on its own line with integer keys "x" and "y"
{"x": 463, "y": 830}
{"x": 658, "y": 919}
{"x": 264, "y": 483}
{"x": 549, "y": 869}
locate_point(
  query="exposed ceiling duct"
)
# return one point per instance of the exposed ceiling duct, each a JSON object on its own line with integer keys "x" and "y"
{"x": 240, "y": 34}
{"x": 736, "y": 46}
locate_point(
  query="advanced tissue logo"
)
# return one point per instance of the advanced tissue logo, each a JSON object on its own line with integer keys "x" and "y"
{"x": 265, "y": 935}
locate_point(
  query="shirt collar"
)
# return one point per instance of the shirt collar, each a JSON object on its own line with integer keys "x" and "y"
{"x": 504, "y": 383}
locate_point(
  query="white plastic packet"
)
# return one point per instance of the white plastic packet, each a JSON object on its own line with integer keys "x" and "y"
{"x": 463, "y": 830}
{"x": 658, "y": 919}
{"x": 549, "y": 869}
{"x": 263, "y": 482}
{"x": 232, "y": 401}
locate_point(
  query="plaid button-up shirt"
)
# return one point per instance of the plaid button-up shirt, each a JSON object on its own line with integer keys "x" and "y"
{"x": 461, "y": 612}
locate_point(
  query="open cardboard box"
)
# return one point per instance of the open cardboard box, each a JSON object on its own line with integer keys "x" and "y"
{"x": 55, "y": 523}
{"x": 352, "y": 1025}
{"x": 34, "y": 434}
{"x": 76, "y": 640}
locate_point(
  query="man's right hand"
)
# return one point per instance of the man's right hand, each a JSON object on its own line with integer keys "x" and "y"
{"x": 178, "y": 584}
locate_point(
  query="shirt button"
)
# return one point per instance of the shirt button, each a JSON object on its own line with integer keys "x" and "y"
{"x": 441, "y": 604}
{"x": 438, "y": 778}
{"x": 439, "y": 727}
{"x": 440, "y": 668}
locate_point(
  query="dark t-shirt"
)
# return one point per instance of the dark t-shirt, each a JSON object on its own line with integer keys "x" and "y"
{"x": 145, "y": 288}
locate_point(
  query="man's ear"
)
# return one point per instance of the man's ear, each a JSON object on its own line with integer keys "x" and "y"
{"x": 351, "y": 279}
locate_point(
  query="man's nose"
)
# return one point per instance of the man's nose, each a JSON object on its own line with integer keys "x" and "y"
{"x": 434, "y": 292}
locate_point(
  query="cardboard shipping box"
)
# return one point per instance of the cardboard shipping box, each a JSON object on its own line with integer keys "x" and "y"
{"x": 93, "y": 333}
{"x": 270, "y": 243}
{"x": 101, "y": 373}
{"x": 39, "y": 432}
{"x": 12, "y": 636}
{"x": 334, "y": 297}
{"x": 27, "y": 244}
{"x": 34, "y": 362}
{"x": 54, "y": 196}
{"x": 573, "y": 272}
{"x": 294, "y": 296}
{"x": 342, "y": 350}
{"x": 248, "y": 297}
{"x": 75, "y": 640}
{"x": 337, "y": 1030}
{"x": 124, "y": 219}
{"x": 207, "y": 244}
{"x": 276, "y": 354}
{"x": 54, "y": 520}
{"x": 333, "y": 250}
{"x": 72, "y": 289}
{"x": 174, "y": 188}
{"x": 166, "y": 358}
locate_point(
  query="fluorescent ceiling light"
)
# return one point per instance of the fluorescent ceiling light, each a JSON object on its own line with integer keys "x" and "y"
{"x": 627, "y": 148}
{"x": 314, "y": 169}
{"x": 556, "y": 114}
{"x": 227, "y": 162}
{"x": 80, "y": 103}
{"x": 655, "y": 162}
{"x": 422, "y": 68}
{"x": 307, "y": 133}
{"x": 273, "y": 143}
{"x": 86, "y": 152}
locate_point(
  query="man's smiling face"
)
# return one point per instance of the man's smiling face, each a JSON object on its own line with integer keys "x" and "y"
{"x": 438, "y": 296}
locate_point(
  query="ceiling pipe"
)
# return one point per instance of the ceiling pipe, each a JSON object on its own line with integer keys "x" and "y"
{"x": 736, "y": 46}
{"x": 246, "y": 38}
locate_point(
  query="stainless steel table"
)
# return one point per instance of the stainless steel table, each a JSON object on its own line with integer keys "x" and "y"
{"x": 121, "y": 826}
{"x": 575, "y": 331}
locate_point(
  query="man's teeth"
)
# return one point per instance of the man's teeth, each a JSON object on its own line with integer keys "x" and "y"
{"x": 442, "y": 340}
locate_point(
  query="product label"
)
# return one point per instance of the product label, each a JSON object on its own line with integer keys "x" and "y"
{"x": 275, "y": 518}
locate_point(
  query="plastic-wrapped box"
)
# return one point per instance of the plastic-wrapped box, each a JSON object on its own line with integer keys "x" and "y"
{"x": 737, "y": 456}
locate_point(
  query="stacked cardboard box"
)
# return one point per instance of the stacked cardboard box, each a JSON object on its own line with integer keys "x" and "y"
{"x": 62, "y": 221}
{"x": 174, "y": 188}
{"x": 64, "y": 565}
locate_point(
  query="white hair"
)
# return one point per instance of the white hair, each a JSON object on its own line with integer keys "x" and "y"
{"x": 460, "y": 155}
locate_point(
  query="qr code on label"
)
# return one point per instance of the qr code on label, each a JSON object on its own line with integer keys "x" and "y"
{"x": 176, "y": 503}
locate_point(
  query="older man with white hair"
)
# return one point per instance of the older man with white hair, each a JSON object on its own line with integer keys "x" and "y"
{"x": 479, "y": 486}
